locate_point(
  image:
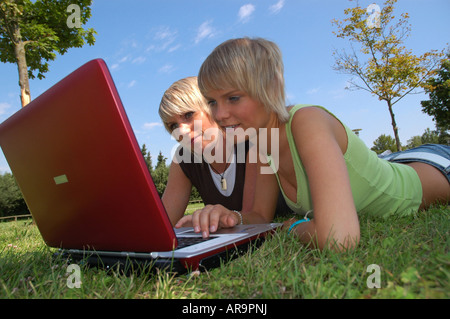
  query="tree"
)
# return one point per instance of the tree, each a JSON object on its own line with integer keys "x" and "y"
{"x": 414, "y": 141}
{"x": 161, "y": 161}
{"x": 438, "y": 89}
{"x": 160, "y": 174}
{"x": 31, "y": 33}
{"x": 428, "y": 136}
{"x": 11, "y": 200}
{"x": 147, "y": 158}
{"x": 384, "y": 143}
{"x": 386, "y": 68}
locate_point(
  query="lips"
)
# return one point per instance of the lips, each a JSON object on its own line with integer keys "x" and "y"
{"x": 230, "y": 127}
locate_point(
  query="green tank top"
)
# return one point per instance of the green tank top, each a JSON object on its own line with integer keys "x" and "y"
{"x": 379, "y": 187}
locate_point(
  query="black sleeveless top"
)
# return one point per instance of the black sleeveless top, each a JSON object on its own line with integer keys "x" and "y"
{"x": 200, "y": 176}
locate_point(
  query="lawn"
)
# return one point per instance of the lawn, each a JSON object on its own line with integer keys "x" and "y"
{"x": 405, "y": 257}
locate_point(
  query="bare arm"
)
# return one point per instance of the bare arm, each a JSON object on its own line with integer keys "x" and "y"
{"x": 176, "y": 195}
{"x": 260, "y": 209}
{"x": 321, "y": 141}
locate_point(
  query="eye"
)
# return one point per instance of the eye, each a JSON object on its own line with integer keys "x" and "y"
{"x": 189, "y": 115}
{"x": 212, "y": 103}
{"x": 172, "y": 126}
{"x": 234, "y": 99}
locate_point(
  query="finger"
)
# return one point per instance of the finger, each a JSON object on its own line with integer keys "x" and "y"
{"x": 196, "y": 220}
{"x": 214, "y": 219}
{"x": 183, "y": 221}
{"x": 204, "y": 220}
{"x": 229, "y": 220}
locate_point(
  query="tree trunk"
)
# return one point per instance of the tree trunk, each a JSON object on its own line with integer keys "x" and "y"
{"x": 24, "y": 82}
{"x": 394, "y": 126}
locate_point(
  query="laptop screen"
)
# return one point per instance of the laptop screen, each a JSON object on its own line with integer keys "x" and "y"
{"x": 77, "y": 162}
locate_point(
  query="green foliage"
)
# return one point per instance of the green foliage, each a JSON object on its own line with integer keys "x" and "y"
{"x": 42, "y": 26}
{"x": 32, "y": 33}
{"x": 384, "y": 143}
{"x": 195, "y": 195}
{"x": 160, "y": 174}
{"x": 428, "y": 136}
{"x": 11, "y": 200}
{"x": 438, "y": 88}
{"x": 384, "y": 67}
{"x": 147, "y": 157}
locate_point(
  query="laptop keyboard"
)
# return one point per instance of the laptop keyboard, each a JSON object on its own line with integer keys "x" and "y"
{"x": 189, "y": 241}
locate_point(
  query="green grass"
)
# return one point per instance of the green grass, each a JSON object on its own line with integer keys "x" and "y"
{"x": 193, "y": 207}
{"x": 412, "y": 253}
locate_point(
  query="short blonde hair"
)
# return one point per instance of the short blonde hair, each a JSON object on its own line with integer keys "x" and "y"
{"x": 254, "y": 66}
{"x": 182, "y": 97}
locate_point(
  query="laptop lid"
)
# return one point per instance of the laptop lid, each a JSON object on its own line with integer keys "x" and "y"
{"x": 77, "y": 162}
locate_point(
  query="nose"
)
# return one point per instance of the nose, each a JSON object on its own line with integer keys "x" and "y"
{"x": 185, "y": 128}
{"x": 181, "y": 131}
{"x": 220, "y": 112}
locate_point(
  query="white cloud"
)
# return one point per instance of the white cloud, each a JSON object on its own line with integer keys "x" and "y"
{"x": 245, "y": 12}
{"x": 117, "y": 65}
{"x": 165, "y": 37}
{"x": 164, "y": 33}
{"x": 312, "y": 91}
{"x": 149, "y": 126}
{"x": 139, "y": 60}
{"x": 174, "y": 48}
{"x": 132, "y": 83}
{"x": 204, "y": 31}
{"x": 276, "y": 8}
{"x": 167, "y": 68}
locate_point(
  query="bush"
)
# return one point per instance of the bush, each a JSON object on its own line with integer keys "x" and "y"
{"x": 11, "y": 199}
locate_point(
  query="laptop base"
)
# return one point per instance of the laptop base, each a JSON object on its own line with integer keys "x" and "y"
{"x": 133, "y": 264}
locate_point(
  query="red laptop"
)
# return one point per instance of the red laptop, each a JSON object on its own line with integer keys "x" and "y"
{"x": 77, "y": 162}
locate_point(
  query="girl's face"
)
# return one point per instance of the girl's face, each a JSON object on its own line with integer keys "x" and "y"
{"x": 189, "y": 129}
{"x": 233, "y": 109}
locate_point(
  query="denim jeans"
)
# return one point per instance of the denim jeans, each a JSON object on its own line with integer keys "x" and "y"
{"x": 433, "y": 154}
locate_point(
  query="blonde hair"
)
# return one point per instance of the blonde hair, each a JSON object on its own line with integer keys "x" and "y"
{"x": 254, "y": 66}
{"x": 181, "y": 97}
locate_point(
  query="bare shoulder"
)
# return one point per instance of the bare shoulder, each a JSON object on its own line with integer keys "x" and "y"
{"x": 310, "y": 114}
{"x": 311, "y": 125}
{"x": 311, "y": 120}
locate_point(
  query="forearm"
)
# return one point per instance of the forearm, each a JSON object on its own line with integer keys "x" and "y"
{"x": 309, "y": 234}
{"x": 176, "y": 195}
{"x": 253, "y": 217}
{"x": 305, "y": 232}
{"x": 174, "y": 209}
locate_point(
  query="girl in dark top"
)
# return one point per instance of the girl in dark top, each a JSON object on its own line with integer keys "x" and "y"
{"x": 220, "y": 174}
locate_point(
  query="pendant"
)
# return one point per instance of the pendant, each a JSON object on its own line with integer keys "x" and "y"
{"x": 223, "y": 182}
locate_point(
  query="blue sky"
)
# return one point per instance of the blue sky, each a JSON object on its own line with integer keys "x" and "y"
{"x": 150, "y": 44}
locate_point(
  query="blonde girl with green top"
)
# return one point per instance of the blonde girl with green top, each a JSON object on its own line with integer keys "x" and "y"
{"x": 326, "y": 174}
